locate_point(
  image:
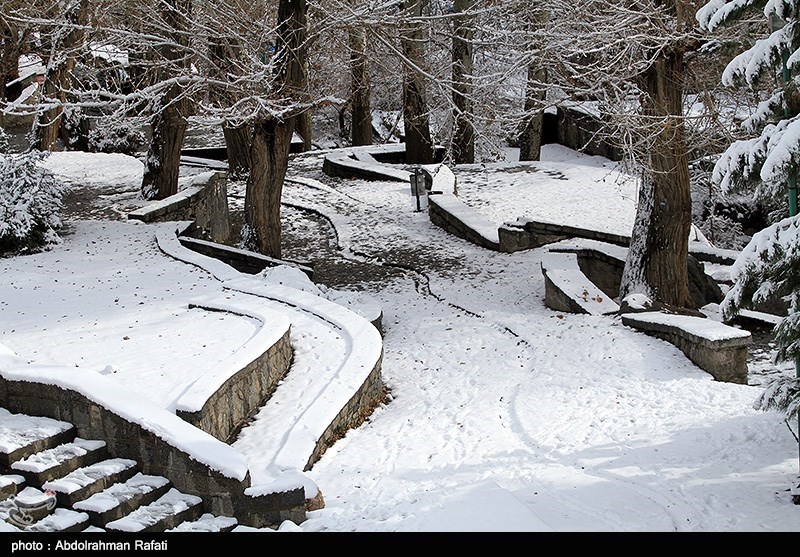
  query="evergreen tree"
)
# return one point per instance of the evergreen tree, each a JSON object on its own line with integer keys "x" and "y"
{"x": 767, "y": 165}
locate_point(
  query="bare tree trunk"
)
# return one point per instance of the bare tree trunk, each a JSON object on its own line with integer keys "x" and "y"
{"x": 13, "y": 39}
{"x": 657, "y": 264}
{"x": 463, "y": 144}
{"x": 262, "y": 204}
{"x": 361, "y": 125}
{"x": 297, "y": 78}
{"x": 162, "y": 164}
{"x": 48, "y": 122}
{"x": 530, "y": 139}
{"x": 272, "y": 137}
{"x": 223, "y": 51}
{"x": 163, "y": 161}
{"x": 59, "y": 77}
{"x": 419, "y": 146}
{"x": 304, "y": 128}
{"x": 237, "y": 144}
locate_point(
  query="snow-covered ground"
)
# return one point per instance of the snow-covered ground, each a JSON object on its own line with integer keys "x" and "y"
{"x": 504, "y": 415}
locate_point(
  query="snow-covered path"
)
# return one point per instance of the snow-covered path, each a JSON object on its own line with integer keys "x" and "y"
{"x": 583, "y": 423}
{"x": 505, "y": 415}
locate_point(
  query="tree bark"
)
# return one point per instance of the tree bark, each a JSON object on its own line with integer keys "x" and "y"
{"x": 296, "y": 81}
{"x": 419, "y": 146}
{"x": 59, "y": 78}
{"x": 463, "y": 144}
{"x": 237, "y": 144}
{"x": 162, "y": 164}
{"x": 657, "y": 264}
{"x": 225, "y": 50}
{"x": 360, "y": 105}
{"x": 12, "y": 49}
{"x": 163, "y": 161}
{"x": 262, "y": 204}
{"x": 530, "y": 139}
{"x": 272, "y": 136}
{"x": 304, "y": 129}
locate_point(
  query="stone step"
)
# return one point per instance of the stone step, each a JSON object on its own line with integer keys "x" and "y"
{"x": 59, "y": 461}
{"x": 88, "y": 480}
{"x": 165, "y": 513}
{"x": 10, "y": 485}
{"x": 207, "y": 523}
{"x": 33, "y": 510}
{"x": 21, "y": 436}
{"x": 120, "y": 499}
{"x": 62, "y": 520}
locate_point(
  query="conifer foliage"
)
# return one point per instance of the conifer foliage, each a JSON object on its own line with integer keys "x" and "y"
{"x": 766, "y": 165}
{"x": 30, "y": 203}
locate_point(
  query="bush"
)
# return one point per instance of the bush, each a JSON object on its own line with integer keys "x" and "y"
{"x": 30, "y": 204}
{"x": 4, "y": 141}
{"x": 119, "y": 137}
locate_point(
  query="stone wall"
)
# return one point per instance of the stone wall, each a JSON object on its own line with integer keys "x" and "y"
{"x": 527, "y": 234}
{"x": 450, "y": 222}
{"x": 355, "y": 412}
{"x": 585, "y": 132}
{"x": 229, "y": 408}
{"x": 244, "y": 261}
{"x": 126, "y": 438}
{"x": 724, "y": 358}
{"x": 203, "y": 200}
{"x": 603, "y": 270}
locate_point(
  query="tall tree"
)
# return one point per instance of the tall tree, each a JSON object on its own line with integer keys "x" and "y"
{"x": 419, "y": 145}
{"x": 634, "y": 56}
{"x": 530, "y": 138}
{"x": 273, "y": 133}
{"x": 14, "y": 42}
{"x": 66, "y": 39}
{"x": 658, "y": 262}
{"x": 225, "y": 50}
{"x": 463, "y": 142}
{"x": 303, "y": 121}
{"x": 169, "y": 123}
{"x": 360, "y": 87}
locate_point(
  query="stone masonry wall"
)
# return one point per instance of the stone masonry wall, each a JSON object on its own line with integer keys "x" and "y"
{"x": 227, "y": 410}
{"x": 453, "y": 225}
{"x": 127, "y": 439}
{"x": 362, "y": 403}
{"x": 205, "y": 202}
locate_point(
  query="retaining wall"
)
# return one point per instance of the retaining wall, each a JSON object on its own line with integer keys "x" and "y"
{"x": 203, "y": 200}
{"x": 147, "y": 434}
{"x": 227, "y": 409}
{"x": 368, "y": 397}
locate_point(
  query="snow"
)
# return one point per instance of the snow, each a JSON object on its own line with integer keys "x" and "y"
{"x": 109, "y": 53}
{"x": 30, "y": 64}
{"x": 206, "y": 523}
{"x": 119, "y": 493}
{"x": 17, "y": 431}
{"x": 571, "y": 189}
{"x": 700, "y": 327}
{"x": 45, "y": 460}
{"x": 172, "y": 502}
{"x": 503, "y": 415}
{"x": 84, "y": 476}
{"x": 563, "y": 271}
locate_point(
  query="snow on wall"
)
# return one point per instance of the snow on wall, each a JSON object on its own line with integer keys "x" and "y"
{"x": 136, "y": 409}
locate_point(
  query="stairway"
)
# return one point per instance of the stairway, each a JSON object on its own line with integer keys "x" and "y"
{"x": 51, "y": 480}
